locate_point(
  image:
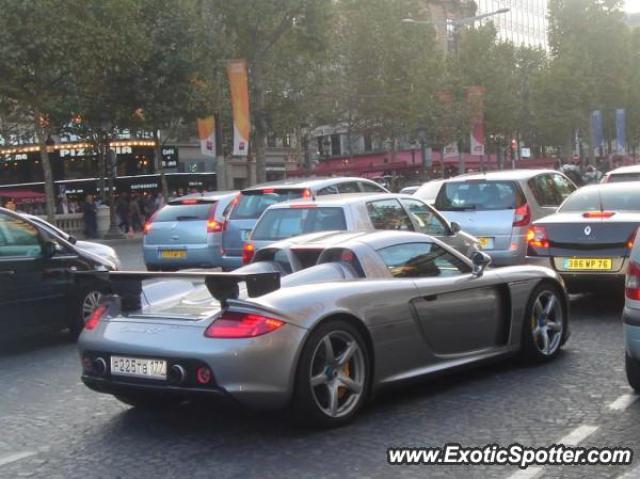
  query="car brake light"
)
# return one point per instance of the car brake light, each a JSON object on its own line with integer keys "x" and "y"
{"x": 306, "y": 194}
{"x": 95, "y": 317}
{"x": 304, "y": 206}
{"x": 537, "y": 237}
{"x": 632, "y": 238}
{"x": 214, "y": 226}
{"x": 632, "y": 281}
{"x": 268, "y": 190}
{"x": 598, "y": 214}
{"x": 248, "y": 250}
{"x": 241, "y": 325}
{"x": 522, "y": 215}
{"x": 189, "y": 202}
{"x": 147, "y": 228}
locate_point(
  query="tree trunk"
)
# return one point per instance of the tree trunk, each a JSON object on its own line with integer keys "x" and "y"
{"x": 157, "y": 150}
{"x": 102, "y": 168}
{"x": 47, "y": 173}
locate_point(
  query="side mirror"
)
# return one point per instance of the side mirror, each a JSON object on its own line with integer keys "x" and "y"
{"x": 455, "y": 228}
{"x": 49, "y": 249}
{"x": 72, "y": 239}
{"x": 480, "y": 261}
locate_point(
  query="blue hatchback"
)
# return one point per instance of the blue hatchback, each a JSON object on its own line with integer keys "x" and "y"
{"x": 186, "y": 233}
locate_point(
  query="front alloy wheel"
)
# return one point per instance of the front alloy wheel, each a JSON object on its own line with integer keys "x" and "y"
{"x": 90, "y": 302}
{"x": 333, "y": 375}
{"x": 86, "y": 303}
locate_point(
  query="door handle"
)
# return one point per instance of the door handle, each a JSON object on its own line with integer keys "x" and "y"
{"x": 54, "y": 272}
{"x": 7, "y": 272}
{"x": 431, "y": 297}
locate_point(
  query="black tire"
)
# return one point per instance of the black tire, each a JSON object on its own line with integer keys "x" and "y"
{"x": 80, "y": 302}
{"x": 632, "y": 367}
{"x": 533, "y": 345}
{"x": 307, "y": 399}
{"x": 149, "y": 401}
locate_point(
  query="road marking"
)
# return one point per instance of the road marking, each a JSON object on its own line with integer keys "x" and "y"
{"x": 623, "y": 402}
{"x": 532, "y": 472}
{"x": 632, "y": 474}
{"x": 574, "y": 438}
{"x": 578, "y": 435}
{"x": 8, "y": 459}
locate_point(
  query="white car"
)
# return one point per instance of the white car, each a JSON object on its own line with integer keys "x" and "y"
{"x": 97, "y": 249}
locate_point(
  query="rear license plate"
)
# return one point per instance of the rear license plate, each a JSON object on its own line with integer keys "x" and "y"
{"x": 138, "y": 367}
{"x": 173, "y": 253}
{"x": 485, "y": 242}
{"x": 244, "y": 234}
{"x": 588, "y": 264}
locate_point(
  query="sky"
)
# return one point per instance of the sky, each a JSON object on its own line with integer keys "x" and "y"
{"x": 633, "y": 5}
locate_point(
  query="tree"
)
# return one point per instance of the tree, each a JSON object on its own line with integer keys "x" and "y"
{"x": 36, "y": 68}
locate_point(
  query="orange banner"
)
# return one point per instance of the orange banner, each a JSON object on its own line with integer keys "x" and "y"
{"x": 207, "y": 136}
{"x": 239, "y": 88}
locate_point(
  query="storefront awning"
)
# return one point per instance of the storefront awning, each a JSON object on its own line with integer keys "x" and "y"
{"x": 22, "y": 195}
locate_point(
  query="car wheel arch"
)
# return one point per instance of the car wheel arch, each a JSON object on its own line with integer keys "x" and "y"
{"x": 559, "y": 287}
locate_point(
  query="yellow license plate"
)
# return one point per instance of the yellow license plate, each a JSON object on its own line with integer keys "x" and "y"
{"x": 588, "y": 264}
{"x": 485, "y": 242}
{"x": 173, "y": 254}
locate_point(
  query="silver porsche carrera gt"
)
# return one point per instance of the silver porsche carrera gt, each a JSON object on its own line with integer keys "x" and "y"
{"x": 377, "y": 308}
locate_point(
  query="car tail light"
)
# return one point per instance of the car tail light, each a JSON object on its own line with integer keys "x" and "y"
{"x": 214, "y": 226}
{"x": 632, "y": 282}
{"x": 248, "y": 250}
{"x": 147, "y": 228}
{"x": 189, "y": 201}
{"x": 95, "y": 317}
{"x": 598, "y": 214}
{"x": 537, "y": 237}
{"x": 241, "y": 325}
{"x": 632, "y": 238}
{"x": 522, "y": 215}
{"x": 203, "y": 375}
{"x": 268, "y": 190}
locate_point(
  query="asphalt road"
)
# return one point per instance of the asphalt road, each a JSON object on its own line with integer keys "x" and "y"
{"x": 51, "y": 426}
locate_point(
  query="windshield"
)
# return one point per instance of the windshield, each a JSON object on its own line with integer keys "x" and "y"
{"x": 253, "y": 203}
{"x": 282, "y": 223}
{"x": 627, "y": 199}
{"x": 479, "y": 195}
{"x": 199, "y": 211}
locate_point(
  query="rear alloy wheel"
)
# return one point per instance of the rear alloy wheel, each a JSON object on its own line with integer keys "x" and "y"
{"x": 333, "y": 375}
{"x": 632, "y": 367}
{"x": 544, "y": 325}
{"x": 86, "y": 304}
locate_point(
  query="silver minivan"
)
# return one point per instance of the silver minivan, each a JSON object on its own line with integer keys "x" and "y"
{"x": 498, "y": 207}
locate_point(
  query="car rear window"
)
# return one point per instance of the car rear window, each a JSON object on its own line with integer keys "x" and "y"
{"x": 182, "y": 212}
{"x": 620, "y": 177}
{"x": 282, "y": 223}
{"x": 611, "y": 199}
{"x": 479, "y": 195}
{"x": 253, "y": 203}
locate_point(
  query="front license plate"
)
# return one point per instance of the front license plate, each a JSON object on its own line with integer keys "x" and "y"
{"x": 138, "y": 367}
{"x": 173, "y": 253}
{"x": 588, "y": 264}
{"x": 485, "y": 242}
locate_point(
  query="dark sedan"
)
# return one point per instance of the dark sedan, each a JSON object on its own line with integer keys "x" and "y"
{"x": 589, "y": 238}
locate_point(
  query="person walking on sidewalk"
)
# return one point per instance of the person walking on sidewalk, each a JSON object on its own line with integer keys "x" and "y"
{"x": 90, "y": 216}
{"x": 122, "y": 210}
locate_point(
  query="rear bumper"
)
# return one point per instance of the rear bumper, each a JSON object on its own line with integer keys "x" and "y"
{"x": 229, "y": 263}
{"x": 197, "y": 256}
{"x": 631, "y": 320}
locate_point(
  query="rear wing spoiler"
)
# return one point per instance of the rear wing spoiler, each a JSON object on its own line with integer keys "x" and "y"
{"x": 222, "y": 286}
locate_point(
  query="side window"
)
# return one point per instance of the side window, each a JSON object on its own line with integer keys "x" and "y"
{"x": 421, "y": 260}
{"x": 427, "y": 221}
{"x": 370, "y": 187}
{"x": 388, "y": 215}
{"x": 563, "y": 186}
{"x": 544, "y": 190}
{"x": 328, "y": 190}
{"x": 18, "y": 238}
{"x": 348, "y": 187}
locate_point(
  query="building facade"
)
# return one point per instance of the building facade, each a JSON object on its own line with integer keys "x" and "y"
{"x": 525, "y": 23}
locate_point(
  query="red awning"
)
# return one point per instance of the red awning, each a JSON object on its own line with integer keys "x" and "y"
{"x": 22, "y": 195}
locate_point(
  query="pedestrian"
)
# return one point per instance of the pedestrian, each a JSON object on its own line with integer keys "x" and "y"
{"x": 90, "y": 217}
{"x": 10, "y": 204}
{"x": 136, "y": 220}
{"x": 122, "y": 210}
